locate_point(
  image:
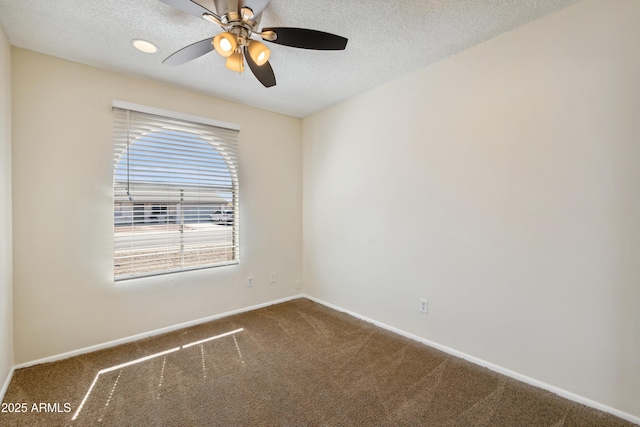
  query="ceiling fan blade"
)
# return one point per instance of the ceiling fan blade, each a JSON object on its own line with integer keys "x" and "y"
{"x": 257, "y": 6}
{"x": 264, "y": 73}
{"x": 190, "y": 52}
{"x": 190, "y": 7}
{"x": 306, "y": 39}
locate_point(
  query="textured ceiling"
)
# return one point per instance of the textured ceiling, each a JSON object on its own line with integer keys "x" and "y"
{"x": 386, "y": 40}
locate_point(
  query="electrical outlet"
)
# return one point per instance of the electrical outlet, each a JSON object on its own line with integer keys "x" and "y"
{"x": 249, "y": 281}
{"x": 272, "y": 278}
{"x": 298, "y": 284}
{"x": 424, "y": 305}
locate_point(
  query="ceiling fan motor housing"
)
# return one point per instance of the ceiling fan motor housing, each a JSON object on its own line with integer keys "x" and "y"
{"x": 231, "y": 14}
{"x": 225, "y": 7}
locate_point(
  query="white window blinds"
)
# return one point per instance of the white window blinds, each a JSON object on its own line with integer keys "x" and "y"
{"x": 175, "y": 185}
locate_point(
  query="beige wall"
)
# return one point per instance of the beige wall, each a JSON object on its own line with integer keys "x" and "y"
{"x": 65, "y": 297}
{"x": 6, "y": 319}
{"x": 501, "y": 184}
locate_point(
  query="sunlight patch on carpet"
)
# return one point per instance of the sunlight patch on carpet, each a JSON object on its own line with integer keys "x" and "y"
{"x": 153, "y": 356}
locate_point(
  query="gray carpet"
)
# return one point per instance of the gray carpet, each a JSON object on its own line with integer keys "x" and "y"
{"x": 292, "y": 364}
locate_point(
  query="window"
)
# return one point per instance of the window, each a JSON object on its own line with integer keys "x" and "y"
{"x": 175, "y": 186}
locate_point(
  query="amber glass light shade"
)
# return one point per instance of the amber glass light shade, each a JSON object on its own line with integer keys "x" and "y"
{"x": 259, "y": 52}
{"x": 225, "y": 44}
{"x": 235, "y": 62}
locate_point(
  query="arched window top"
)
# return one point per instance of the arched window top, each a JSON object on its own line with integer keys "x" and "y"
{"x": 173, "y": 157}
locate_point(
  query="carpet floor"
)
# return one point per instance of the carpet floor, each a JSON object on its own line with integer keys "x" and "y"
{"x": 292, "y": 364}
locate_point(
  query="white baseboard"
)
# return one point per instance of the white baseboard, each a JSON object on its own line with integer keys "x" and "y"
{"x": 5, "y": 386}
{"x": 499, "y": 369}
{"x": 147, "y": 334}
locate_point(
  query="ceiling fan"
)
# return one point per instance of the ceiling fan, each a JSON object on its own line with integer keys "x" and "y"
{"x": 240, "y": 20}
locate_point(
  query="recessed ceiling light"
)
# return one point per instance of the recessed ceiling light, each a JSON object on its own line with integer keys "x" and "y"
{"x": 144, "y": 46}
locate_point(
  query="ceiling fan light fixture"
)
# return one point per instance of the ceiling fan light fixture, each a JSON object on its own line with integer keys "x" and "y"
{"x": 240, "y": 21}
{"x": 259, "y": 52}
{"x": 225, "y": 44}
{"x": 235, "y": 62}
